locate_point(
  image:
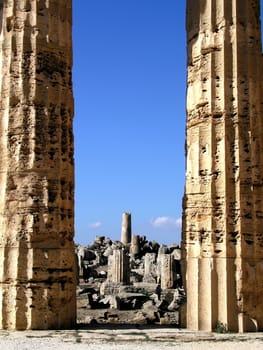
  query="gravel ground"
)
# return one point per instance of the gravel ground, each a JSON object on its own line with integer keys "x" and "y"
{"x": 25, "y": 344}
{"x": 128, "y": 339}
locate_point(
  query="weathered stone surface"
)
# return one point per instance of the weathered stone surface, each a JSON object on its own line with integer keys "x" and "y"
{"x": 110, "y": 288}
{"x": 37, "y": 263}
{"x": 126, "y": 228}
{"x": 150, "y": 273}
{"x": 167, "y": 271}
{"x": 135, "y": 248}
{"x": 119, "y": 267}
{"x": 223, "y": 202}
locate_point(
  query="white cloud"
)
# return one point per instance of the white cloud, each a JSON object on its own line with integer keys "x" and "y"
{"x": 95, "y": 224}
{"x": 166, "y": 222}
{"x": 178, "y": 222}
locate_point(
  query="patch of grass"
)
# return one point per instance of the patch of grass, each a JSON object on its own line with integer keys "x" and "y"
{"x": 145, "y": 292}
{"x": 220, "y": 327}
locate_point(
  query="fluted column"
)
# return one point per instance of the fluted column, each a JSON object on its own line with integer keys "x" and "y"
{"x": 119, "y": 267}
{"x": 37, "y": 264}
{"x": 167, "y": 271}
{"x": 223, "y": 203}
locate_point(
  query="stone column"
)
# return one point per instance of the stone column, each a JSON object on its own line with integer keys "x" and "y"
{"x": 150, "y": 268}
{"x": 119, "y": 267}
{"x": 166, "y": 270}
{"x": 223, "y": 201}
{"x": 135, "y": 245}
{"x": 126, "y": 228}
{"x": 37, "y": 262}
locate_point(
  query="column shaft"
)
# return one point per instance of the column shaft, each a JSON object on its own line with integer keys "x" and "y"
{"x": 223, "y": 219}
{"x": 37, "y": 263}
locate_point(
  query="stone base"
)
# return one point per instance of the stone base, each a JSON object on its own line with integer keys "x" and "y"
{"x": 37, "y": 306}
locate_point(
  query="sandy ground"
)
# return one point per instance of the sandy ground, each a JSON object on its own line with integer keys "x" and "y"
{"x": 128, "y": 339}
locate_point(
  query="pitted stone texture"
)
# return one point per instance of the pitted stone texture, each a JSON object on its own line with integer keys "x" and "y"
{"x": 223, "y": 202}
{"x": 37, "y": 264}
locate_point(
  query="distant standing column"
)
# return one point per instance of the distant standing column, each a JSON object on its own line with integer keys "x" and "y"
{"x": 135, "y": 245}
{"x": 118, "y": 267}
{"x": 149, "y": 268}
{"x": 126, "y": 228}
{"x": 167, "y": 271}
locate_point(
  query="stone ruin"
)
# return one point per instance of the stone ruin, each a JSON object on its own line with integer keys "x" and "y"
{"x": 222, "y": 245}
{"x": 137, "y": 282}
{"x": 37, "y": 260}
{"x": 223, "y": 201}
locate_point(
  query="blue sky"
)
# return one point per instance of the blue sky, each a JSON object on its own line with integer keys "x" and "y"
{"x": 129, "y": 87}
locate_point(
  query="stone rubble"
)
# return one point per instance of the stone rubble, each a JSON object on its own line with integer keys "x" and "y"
{"x": 120, "y": 284}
